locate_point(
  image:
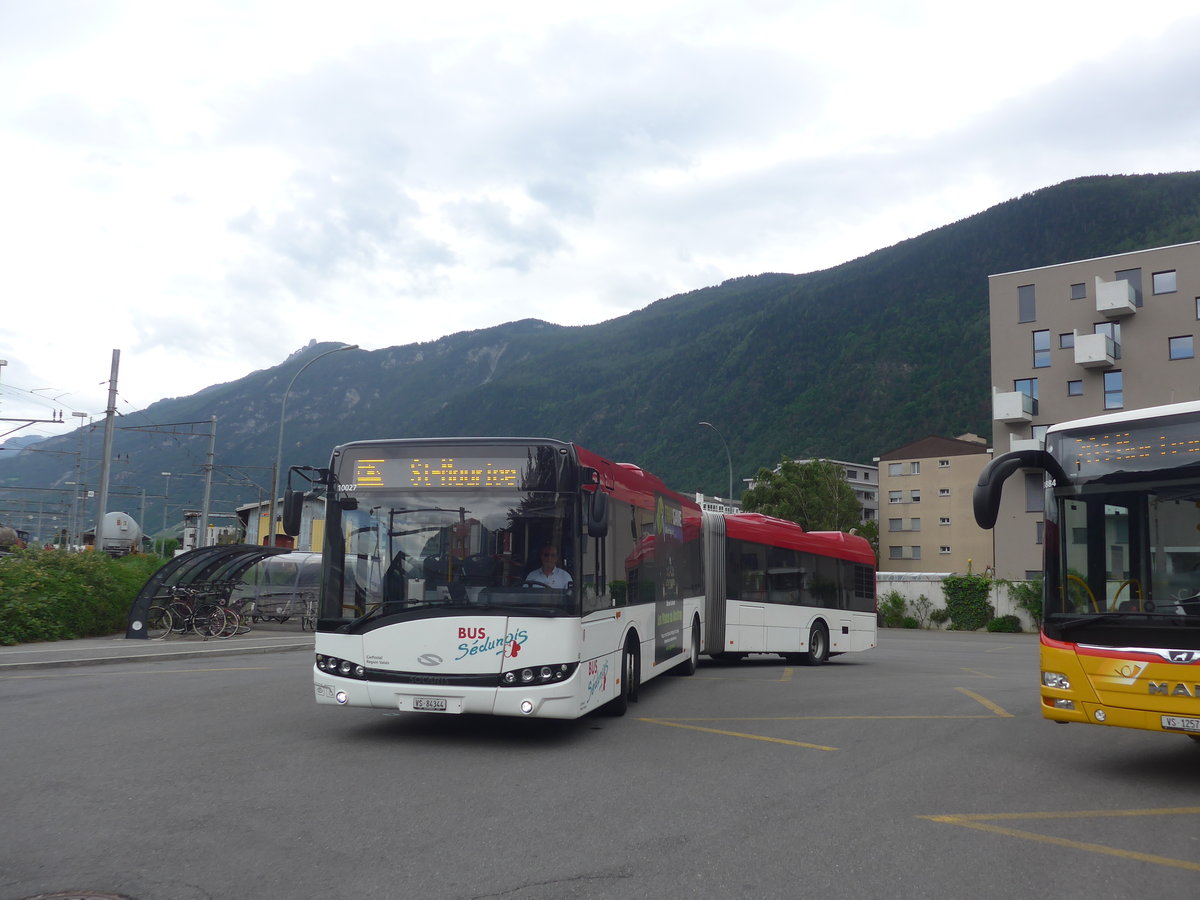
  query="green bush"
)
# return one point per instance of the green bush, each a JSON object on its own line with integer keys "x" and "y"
{"x": 49, "y": 595}
{"x": 910, "y": 622}
{"x": 892, "y": 610}
{"x": 967, "y": 601}
{"x": 1005, "y": 623}
{"x": 939, "y": 617}
{"x": 1027, "y": 595}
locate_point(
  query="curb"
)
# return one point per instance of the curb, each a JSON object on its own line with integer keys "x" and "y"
{"x": 232, "y": 650}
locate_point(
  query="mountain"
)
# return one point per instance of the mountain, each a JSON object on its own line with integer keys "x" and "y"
{"x": 847, "y": 363}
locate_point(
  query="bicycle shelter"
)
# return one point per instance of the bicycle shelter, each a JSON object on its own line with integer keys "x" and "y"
{"x": 281, "y": 587}
{"x": 215, "y": 569}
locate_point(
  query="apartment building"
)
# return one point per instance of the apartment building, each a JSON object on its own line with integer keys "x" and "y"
{"x": 926, "y": 522}
{"x": 1082, "y": 339}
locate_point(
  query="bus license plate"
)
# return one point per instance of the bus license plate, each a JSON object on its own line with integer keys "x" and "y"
{"x": 1181, "y": 723}
{"x": 429, "y": 704}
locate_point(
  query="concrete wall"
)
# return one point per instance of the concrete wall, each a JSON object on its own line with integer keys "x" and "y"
{"x": 911, "y": 585}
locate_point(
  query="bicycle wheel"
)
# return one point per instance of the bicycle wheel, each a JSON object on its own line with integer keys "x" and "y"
{"x": 231, "y": 625}
{"x": 158, "y": 623}
{"x": 181, "y": 617}
{"x": 208, "y": 621}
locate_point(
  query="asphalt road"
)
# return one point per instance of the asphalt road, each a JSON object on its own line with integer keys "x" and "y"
{"x": 919, "y": 769}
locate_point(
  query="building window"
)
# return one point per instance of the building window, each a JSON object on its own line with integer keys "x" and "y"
{"x": 916, "y": 553}
{"x": 895, "y": 468}
{"x": 945, "y": 548}
{"x": 1035, "y": 494}
{"x": 1074, "y": 388}
{"x": 1112, "y": 330}
{"x": 1134, "y": 277}
{"x": 1026, "y": 304}
{"x": 1198, "y": 307}
{"x": 852, "y": 474}
{"x": 914, "y": 496}
{"x": 1114, "y": 389}
{"x": 943, "y": 463}
{"x": 1181, "y": 347}
{"x": 1079, "y": 291}
{"x": 895, "y": 553}
{"x": 943, "y": 492}
{"x": 1041, "y": 349}
{"x": 1040, "y": 533}
{"x": 895, "y": 524}
{"x": 914, "y": 525}
{"x": 895, "y": 496}
{"x": 944, "y": 520}
{"x": 914, "y": 468}
{"x": 1066, "y": 340}
{"x": 1164, "y": 282}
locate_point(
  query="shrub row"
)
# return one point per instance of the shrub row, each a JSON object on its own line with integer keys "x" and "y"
{"x": 49, "y": 595}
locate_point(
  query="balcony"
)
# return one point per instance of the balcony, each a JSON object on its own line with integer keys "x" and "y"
{"x": 1025, "y": 444}
{"x": 1115, "y": 299}
{"x": 1096, "y": 351}
{"x": 1013, "y": 406}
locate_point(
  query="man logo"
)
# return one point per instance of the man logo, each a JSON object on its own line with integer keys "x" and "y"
{"x": 429, "y": 659}
{"x": 1184, "y": 656}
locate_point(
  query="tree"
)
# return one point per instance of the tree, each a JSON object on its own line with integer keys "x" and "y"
{"x": 813, "y": 494}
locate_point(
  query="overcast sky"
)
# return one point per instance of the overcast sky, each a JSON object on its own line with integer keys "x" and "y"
{"x": 209, "y": 186}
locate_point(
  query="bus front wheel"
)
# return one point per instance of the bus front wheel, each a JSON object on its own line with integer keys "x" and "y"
{"x": 627, "y": 691}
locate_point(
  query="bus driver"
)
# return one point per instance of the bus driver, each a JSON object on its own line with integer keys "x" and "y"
{"x": 549, "y": 574}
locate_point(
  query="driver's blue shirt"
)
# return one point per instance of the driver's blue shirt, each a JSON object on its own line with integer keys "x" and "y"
{"x": 559, "y": 578}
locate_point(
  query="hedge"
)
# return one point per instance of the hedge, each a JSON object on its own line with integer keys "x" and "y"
{"x": 51, "y": 595}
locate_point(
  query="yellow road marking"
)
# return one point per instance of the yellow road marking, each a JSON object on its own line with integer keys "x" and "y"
{"x": 738, "y": 734}
{"x": 977, "y": 672}
{"x": 787, "y": 674}
{"x": 805, "y": 718}
{"x": 1003, "y": 713}
{"x": 979, "y": 822}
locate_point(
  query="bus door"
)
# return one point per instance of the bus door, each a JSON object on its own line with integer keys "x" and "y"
{"x": 1105, "y": 553}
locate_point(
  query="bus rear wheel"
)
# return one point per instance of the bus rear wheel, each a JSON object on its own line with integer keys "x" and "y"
{"x": 818, "y": 647}
{"x": 689, "y": 666}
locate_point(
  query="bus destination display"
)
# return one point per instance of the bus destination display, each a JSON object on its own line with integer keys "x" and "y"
{"x": 440, "y": 472}
{"x": 1142, "y": 448}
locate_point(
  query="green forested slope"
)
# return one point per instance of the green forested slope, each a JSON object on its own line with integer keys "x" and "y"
{"x": 846, "y": 363}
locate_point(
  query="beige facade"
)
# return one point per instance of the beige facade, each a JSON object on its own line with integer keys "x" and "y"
{"x": 926, "y": 523}
{"x": 1082, "y": 339}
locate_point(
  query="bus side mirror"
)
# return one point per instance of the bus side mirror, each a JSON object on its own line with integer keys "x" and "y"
{"x": 597, "y": 521}
{"x": 293, "y": 507}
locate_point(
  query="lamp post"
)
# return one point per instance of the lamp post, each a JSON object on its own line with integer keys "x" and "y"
{"x": 166, "y": 502}
{"x": 279, "y": 447}
{"x": 728, "y": 458}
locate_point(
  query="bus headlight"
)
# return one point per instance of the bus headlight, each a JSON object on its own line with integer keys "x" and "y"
{"x": 1056, "y": 680}
{"x": 342, "y": 667}
{"x": 536, "y": 675}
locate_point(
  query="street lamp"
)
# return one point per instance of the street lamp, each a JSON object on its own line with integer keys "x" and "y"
{"x": 728, "y": 458}
{"x": 166, "y": 501}
{"x": 279, "y": 447}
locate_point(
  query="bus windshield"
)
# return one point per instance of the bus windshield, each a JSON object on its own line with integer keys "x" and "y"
{"x": 1129, "y": 553}
{"x": 418, "y": 553}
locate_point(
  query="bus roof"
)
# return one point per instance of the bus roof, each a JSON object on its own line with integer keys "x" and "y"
{"x": 781, "y": 533}
{"x": 1127, "y": 415}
